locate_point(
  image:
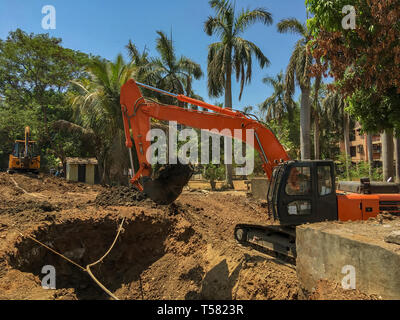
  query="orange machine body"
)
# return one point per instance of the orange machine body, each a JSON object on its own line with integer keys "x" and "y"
{"x": 353, "y": 206}
{"x": 137, "y": 112}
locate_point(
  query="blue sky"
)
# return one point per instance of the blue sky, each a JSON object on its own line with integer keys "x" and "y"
{"x": 105, "y": 27}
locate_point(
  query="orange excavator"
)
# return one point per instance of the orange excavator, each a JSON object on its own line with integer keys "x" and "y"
{"x": 299, "y": 191}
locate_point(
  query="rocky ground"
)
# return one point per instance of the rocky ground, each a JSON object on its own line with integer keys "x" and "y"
{"x": 184, "y": 250}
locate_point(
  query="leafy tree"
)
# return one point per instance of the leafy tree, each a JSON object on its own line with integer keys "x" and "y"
{"x": 276, "y": 106}
{"x": 232, "y": 53}
{"x": 298, "y": 72}
{"x": 366, "y": 57}
{"x": 35, "y": 71}
{"x": 364, "y": 61}
{"x": 167, "y": 71}
{"x": 287, "y": 131}
{"x": 213, "y": 173}
{"x": 334, "y": 106}
{"x": 97, "y": 102}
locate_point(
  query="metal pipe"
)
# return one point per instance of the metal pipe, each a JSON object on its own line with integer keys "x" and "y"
{"x": 131, "y": 159}
{"x": 157, "y": 90}
{"x": 262, "y": 150}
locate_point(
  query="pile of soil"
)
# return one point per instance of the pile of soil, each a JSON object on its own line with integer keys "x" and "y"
{"x": 29, "y": 205}
{"x": 119, "y": 196}
{"x": 184, "y": 250}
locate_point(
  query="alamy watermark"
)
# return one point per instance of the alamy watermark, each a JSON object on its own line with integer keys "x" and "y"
{"x": 49, "y": 20}
{"x": 162, "y": 151}
{"x": 49, "y": 280}
{"x": 349, "y": 281}
{"x": 349, "y": 20}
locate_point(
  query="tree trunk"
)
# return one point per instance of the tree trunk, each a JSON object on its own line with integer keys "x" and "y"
{"x": 347, "y": 143}
{"x": 213, "y": 184}
{"x": 397, "y": 157}
{"x": 370, "y": 154}
{"x": 316, "y": 137}
{"x": 228, "y": 104}
{"x": 305, "y": 120}
{"x": 387, "y": 154}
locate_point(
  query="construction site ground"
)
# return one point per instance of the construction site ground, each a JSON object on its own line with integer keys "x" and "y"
{"x": 185, "y": 250}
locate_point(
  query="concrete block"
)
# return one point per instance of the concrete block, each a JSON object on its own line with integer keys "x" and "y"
{"x": 329, "y": 250}
{"x": 259, "y": 188}
{"x": 393, "y": 237}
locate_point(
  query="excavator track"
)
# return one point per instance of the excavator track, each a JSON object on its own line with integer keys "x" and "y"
{"x": 277, "y": 241}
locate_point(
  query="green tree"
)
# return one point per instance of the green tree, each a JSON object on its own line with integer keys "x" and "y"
{"x": 97, "y": 102}
{"x": 364, "y": 61}
{"x": 232, "y": 53}
{"x": 298, "y": 72}
{"x": 276, "y": 106}
{"x": 167, "y": 71}
{"x": 35, "y": 71}
{"x": 335, "y": 108}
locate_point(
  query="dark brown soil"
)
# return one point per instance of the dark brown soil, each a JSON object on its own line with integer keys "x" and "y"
{"x": 116, "y": 196}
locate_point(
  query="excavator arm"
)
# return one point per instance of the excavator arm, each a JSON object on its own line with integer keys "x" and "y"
{"x": 137, "y": 112}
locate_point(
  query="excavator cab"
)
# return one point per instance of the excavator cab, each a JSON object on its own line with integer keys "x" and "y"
{"x": 303, "y": 191}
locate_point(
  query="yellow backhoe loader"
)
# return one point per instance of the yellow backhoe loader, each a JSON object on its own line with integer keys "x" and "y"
{"x": 24, "y": 157}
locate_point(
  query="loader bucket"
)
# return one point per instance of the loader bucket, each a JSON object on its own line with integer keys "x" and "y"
{"x": 169, "y": 184}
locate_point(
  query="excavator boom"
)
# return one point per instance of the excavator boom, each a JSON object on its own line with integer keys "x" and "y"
{"x": 137, "y": 112}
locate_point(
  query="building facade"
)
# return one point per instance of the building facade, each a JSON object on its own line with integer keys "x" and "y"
{"x": 359, "y": 147}
{"x": 82, "y": 170}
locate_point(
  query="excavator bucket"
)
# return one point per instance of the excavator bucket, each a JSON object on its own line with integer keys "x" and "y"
{"x": 169, "y": 184}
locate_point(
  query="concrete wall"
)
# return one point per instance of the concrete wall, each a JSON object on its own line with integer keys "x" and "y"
{"x": 72, "y": 172}
{"x": 322, "y": 254}
{"x": 90, "y": 174}
{"x": 259, "y": 188}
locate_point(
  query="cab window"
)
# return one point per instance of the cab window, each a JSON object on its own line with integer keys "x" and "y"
{"x": 325, "y": 183}
{"x": 299, "y": 181}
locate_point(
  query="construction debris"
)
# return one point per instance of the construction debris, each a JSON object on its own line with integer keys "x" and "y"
{"x": 393, "y": 237}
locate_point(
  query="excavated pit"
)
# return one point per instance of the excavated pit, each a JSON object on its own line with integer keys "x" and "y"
{"x": 140, "y": 244}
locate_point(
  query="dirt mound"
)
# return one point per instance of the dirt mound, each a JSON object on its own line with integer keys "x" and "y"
{"x": 117, "y": 196}
{"x": 29, "y": 205}
{"x": 328, "y": 290}
{"x": 45, "y": 182}
{"x": 5, "y": 179}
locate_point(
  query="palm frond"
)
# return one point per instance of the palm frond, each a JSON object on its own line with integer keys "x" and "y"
{"x": 165, "y": 49}
{"x": 247, "y": 18}
{"x": 292, "y": 25}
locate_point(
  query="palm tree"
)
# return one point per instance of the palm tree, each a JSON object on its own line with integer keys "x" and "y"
{"x": 298, "y": 73}
{"x": 97, "y": 104}
{"x": 318, "y": 94}
{"x": 334, "y": 106}
{"x": 137, "y": 58}
{"x": 232, "y": 53}
{"x": 387, "y": 155}
{"x": 275, "y": 107}
{"x": 169, "y": 72}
